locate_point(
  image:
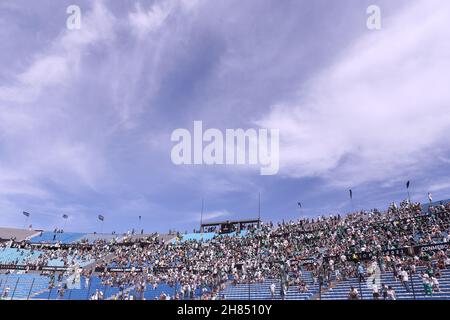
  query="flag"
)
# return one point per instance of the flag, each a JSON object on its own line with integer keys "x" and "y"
{"x": 430, "y": 197}
{"x": 407, "y": 184}
{"x": 100, "y": 217}
{"x": 351, "y": 194}
{"x": 299, "y": 204}
{"x": 65, "y": 216}
{"x": 26, "y": 214}
{"x": 140, "y": 217}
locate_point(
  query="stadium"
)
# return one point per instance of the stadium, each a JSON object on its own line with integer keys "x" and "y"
{"x": 402, "y": 253}
{"x": 224, "y": 157}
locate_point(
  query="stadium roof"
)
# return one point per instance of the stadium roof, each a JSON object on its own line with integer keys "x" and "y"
{"x": 19, "y": 234}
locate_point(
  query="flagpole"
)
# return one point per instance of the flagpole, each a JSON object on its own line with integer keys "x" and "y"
{"x": 300, "y": 209}
{"x": 407, "y": 190}
{"x": 27, "y": 217}
{"x": 259, "y": 209}
{"x": 351, "y": 201}
{"x": 140, "y": 225}
{"x": 201, "y": 217}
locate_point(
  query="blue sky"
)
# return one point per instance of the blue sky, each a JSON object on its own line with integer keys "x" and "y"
{"x": 86, "y": 115}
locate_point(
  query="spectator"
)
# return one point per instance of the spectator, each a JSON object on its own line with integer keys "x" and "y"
{"x": 435, "y": 284}
{"x": 375, "y": 291}
{"x": 272, "y": 290}
{"x": 353, "y": 294}
{"x": 405, "y": 279}
{"x": 391, "y": 294}
{"x": 360, "y": 272}
{"x": 385, "y": 292}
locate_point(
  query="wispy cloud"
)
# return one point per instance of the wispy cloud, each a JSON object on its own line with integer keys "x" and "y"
{"x": 380, "y": 110}
{"x": 41, "y": 144}
{"x": 86, "y": 115}
{"x": 208, "y": 216}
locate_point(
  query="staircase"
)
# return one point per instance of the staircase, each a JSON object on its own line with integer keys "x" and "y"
{"x": 341, "y": 289}
{"x": 261, "y": 291}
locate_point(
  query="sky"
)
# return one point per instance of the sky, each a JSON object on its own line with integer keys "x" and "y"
{"x": 86, "y": 115}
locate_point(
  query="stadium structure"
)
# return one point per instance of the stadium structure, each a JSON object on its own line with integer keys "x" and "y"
{"x": 398, "y": 254}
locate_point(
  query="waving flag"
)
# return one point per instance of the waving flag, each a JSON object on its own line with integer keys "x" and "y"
{"x": 407, "y": 184}
{"x": 26, "y": 214}
{"x": 65, "y": 216}
{"x": 100, "y": 217}
{"x": 430, "y": 197}
{"x": 299, "y": 204}
{"x": 351, "y": 194}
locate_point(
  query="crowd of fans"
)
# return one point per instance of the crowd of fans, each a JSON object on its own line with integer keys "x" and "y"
{"x": 332, "y": 248}
{"x": 276, "y": 251}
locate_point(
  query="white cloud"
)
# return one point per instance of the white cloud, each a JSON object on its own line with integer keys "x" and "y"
{"x": 35, "y": 145}
{"x": 59, "y": 64}
{"x": 378, "y": 109}
{"x": 208, "y": 216}
{"x": 144, "y": 22}
{"x": 439, "y": 187}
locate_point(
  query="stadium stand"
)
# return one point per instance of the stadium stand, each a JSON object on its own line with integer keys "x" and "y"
{"x": 166, "y": 238}
{"x": 262, "y": 291}
{"x": 401, "y": 253}
{"x": 198, "y": 236}
{"x": 242, "y": 233}
{"x": 426, "y": 207}
{"x": 22, "y": 286}
{"x": 52, "y": 237}
{"x": 342, "y": 289}
{"x": 83, "y": 292}
{"x": 91, "y": 237}
{"x": 87, "y": 290}
{"x": 18, "y": 256}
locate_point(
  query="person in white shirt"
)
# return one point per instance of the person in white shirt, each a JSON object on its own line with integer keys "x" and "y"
{"x": 337, "y": 275}
{"x": 435, "y": 283}
{"x": 6, "y": 292}
{"x": 272, "y": 290}
{"x": 353, "y": 294}
{"x": 447, "y": 262}
{"x": 427, "y": 284}
{"x": 375, "y": 291}
{"x": 96, "y": 295}
{"x": 391, "y": 294}
{"x": 405, "y": 279}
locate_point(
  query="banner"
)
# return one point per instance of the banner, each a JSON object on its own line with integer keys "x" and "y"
{"x": 31, "y": 268}
{"x": 306, "y": 261}
{"x": 118, "y": 269}
{"x": 431, "y": 247}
